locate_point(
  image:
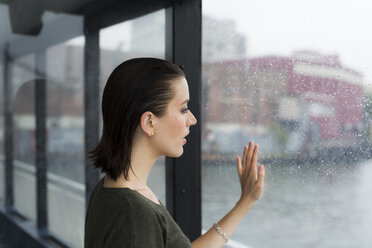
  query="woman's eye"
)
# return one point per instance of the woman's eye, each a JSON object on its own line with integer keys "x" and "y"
{"x": 185, "y": 110}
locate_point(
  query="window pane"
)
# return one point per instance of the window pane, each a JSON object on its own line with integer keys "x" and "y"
{"x": 24, "y": 136}
{"x": 65, "y": 149}
{"x": 131, "y": 39}
{"x": 294, "y": 77}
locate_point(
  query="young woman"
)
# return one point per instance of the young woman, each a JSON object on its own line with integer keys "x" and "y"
{"x": 145, "y": 116}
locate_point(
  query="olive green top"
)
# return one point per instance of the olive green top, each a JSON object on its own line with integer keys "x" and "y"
{"x": 122, "y": 217}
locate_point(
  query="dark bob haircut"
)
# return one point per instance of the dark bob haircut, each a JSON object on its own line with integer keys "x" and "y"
{"x": 134, "y": 87}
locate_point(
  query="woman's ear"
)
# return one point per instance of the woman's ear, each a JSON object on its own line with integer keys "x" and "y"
{"x": 147, "y": 123}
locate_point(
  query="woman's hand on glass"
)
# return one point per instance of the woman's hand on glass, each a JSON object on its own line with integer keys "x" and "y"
{"x": 251, "y": 177}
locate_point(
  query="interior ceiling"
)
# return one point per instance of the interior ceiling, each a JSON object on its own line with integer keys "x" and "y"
{"x": 20, "y": 18}
{"x": 26, "y": 18}
{"x": 65, "y": 6}
{"x": 5, "y": 29}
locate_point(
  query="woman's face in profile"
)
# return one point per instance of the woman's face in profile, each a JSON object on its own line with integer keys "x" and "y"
{"x": 174, "y": 126}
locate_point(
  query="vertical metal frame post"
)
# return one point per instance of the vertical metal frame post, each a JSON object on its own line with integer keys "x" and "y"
{"x": 8, "y": 130}
{"x": 91, "y": 101}
{"x": 184, "y": 173}
{"x": 41, "y": 140}
{"x": 169, "y": 162}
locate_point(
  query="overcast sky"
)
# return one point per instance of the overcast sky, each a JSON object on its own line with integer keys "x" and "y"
{"x": 272, "y": 27}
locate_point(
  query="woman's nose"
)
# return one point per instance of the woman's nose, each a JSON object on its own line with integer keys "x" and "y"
{"x": 192, "y": 119}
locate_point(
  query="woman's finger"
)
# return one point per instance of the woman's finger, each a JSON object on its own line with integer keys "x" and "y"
{"x": 239, "y": 166}
{"x": 244, "y": 160}
{"x": 249, "y": 156}
{"x": 261, "y": 176}
{"x": 254, "y": 161}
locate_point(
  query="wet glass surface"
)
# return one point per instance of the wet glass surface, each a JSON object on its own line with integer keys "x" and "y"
{"x": 65, "y": 146}
{"x": 303, "y": 205}
{"x": 285, "y": 75}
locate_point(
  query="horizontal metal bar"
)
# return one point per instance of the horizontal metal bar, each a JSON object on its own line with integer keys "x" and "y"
{"x": 113, "y": 12}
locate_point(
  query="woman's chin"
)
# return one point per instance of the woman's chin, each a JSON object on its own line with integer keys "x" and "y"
{"x": 176, "y": 154}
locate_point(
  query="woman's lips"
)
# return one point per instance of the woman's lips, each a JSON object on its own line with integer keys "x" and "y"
{"x": 184, "y": 139}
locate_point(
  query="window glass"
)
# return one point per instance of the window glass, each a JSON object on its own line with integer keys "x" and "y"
{"x": 24, "y": 146}
{"x": 131, "y": 39}
{"x": 2, "y": 134}
{"x": 295, "y": 78}
{"x": 65, "y": 149}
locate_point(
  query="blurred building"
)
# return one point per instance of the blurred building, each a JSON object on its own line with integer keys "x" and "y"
{"x": 150, "y": 25}
{"x": 308, "y": 92}
{"x": 221, "y": 40}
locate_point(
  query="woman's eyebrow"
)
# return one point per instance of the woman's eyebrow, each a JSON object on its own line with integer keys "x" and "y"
{"x": 186, "y": 101}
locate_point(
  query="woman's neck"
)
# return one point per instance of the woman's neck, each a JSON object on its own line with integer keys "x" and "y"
{"x": 143, "y": 158}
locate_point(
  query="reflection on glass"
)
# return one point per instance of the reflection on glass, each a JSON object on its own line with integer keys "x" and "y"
{"x": 65, "y": 110}
{"x": 284, "y": 76}
{"x": 65, "y": 147}
{"x": 24, "y": 146}
{"x": 133, "y": 39}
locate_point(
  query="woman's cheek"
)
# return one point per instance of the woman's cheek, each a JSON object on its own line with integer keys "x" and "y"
{"x": 179, "y": 123}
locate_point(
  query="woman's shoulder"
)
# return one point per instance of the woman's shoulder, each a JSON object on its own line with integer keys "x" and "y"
{"x": 122, "y": 214}
{"x": 123, "y": 199}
